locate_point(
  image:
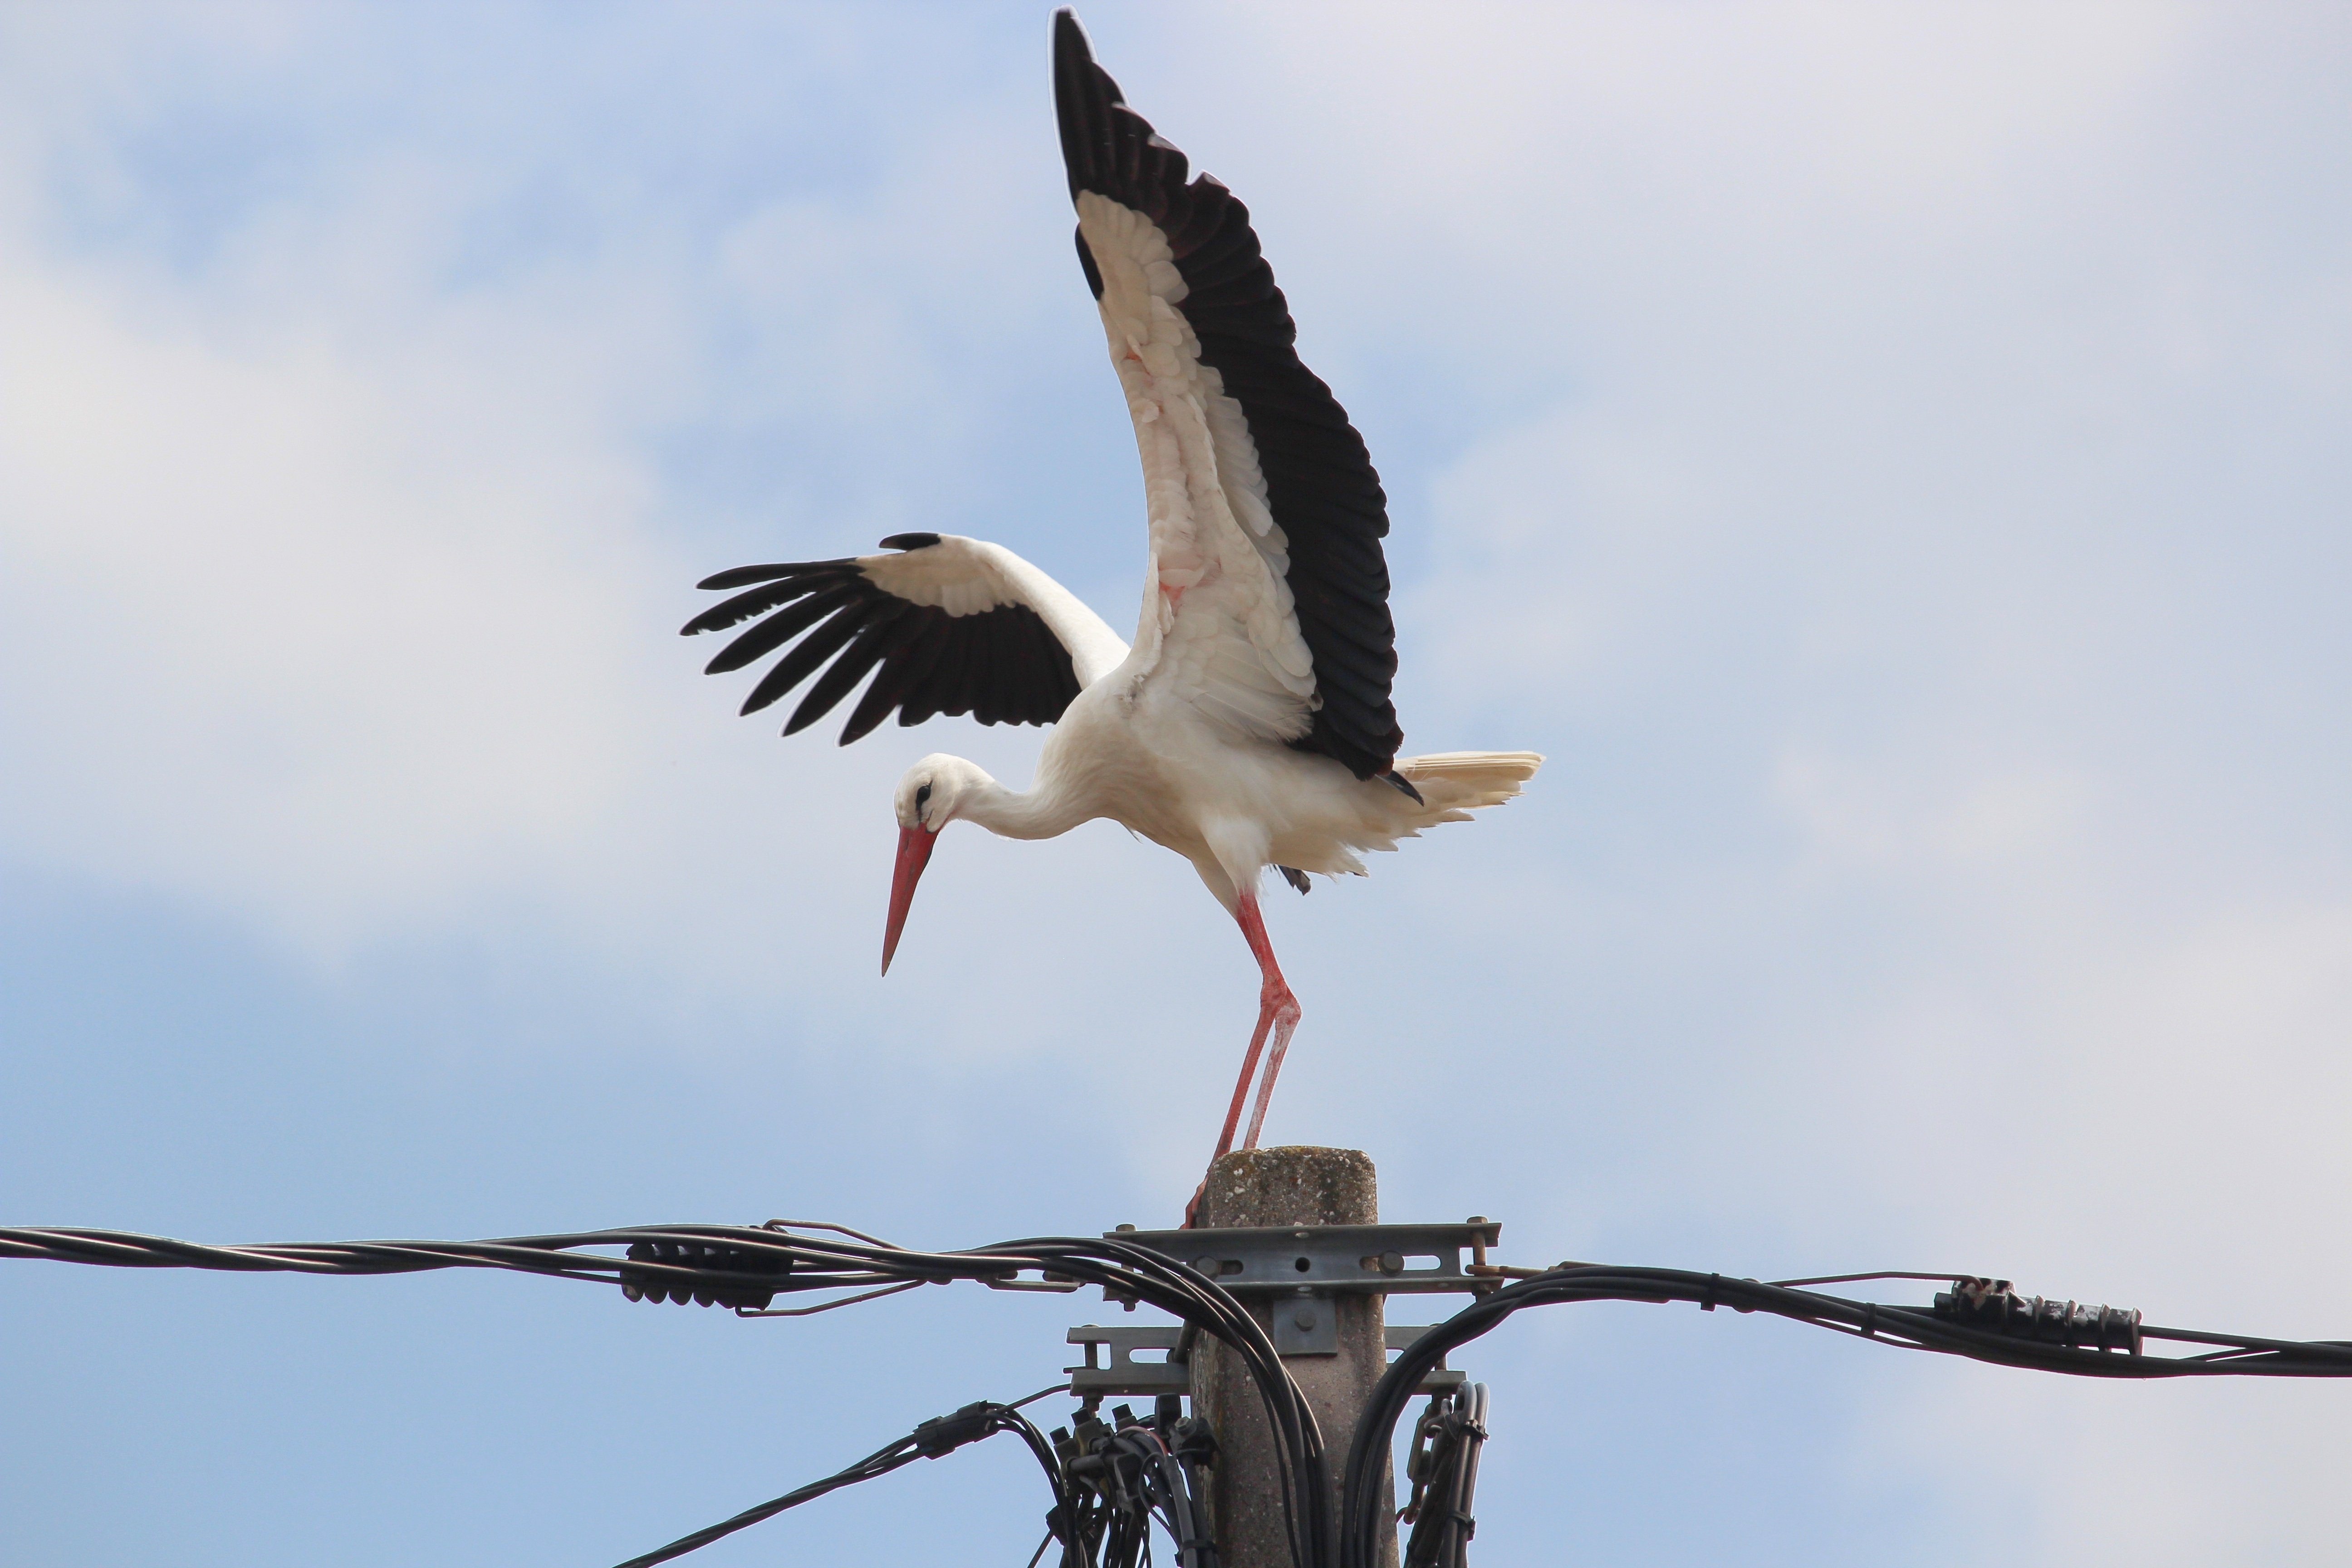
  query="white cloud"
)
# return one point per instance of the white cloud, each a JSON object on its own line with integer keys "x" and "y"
{"x": 319, "y": 630}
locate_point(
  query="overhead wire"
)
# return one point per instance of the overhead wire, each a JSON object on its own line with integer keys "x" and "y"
{"x": 746, "y": 1267}
{"x": 1980, "y": 1318}
{"x": 933, "y": 1439}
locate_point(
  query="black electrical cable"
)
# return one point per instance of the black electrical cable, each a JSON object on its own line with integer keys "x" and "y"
{"x": 746, "y": 1267}
{"x": 1445, "y": 1475}
{"x": 881, "y": 1462}
{"x": 935, "y": 1438}
{"x": 1125, "y": 1473}
{"x": 1178, "y": 1290}
{"x": 1978, "y": 1319}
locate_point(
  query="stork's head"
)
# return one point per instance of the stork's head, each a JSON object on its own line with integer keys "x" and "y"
{"x": 932, "y": 794}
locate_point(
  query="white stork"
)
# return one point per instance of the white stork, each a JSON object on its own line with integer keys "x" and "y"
{"x": 1250, "y": 725}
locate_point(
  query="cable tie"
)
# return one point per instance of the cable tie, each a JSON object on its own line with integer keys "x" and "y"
{"x": 1706, "y": 1300}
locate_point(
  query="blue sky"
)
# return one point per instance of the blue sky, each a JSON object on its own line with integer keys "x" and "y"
{"x": 1892, "y": 461}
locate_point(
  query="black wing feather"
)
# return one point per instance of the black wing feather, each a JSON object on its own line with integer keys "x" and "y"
{"x": 980, "y": 678}
{"x": 801, "y": 661}
{"x": 900, "y": 670}
{"x": 1002, "y": 665}
{"x": 1319, "y": 479}
{"x": 739, "y": 576}
{"x": 778, "y": 629}
{"x": 846, "y": 671}
{"x": 756, "y": 601}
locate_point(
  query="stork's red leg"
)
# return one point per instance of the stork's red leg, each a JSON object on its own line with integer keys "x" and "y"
{"x": 1242, "y": 1084}
{"x": 1277, "y": 1016}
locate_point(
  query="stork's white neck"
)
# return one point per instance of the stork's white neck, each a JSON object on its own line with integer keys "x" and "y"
{"x": 1045, "y": 812}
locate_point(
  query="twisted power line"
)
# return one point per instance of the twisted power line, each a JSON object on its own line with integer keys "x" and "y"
{"x": 748, "y": 1267}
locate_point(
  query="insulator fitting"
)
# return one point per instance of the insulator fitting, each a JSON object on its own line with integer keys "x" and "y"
{"x": 1995, "y": 1305}
{"x": 639, "y": 1285}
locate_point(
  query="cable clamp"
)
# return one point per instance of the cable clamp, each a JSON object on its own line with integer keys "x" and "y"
{"x": 943, "y": 1435}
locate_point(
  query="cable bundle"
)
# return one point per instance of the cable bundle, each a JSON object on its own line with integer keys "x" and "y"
{"x": 1110, "y": 1480}
{"x": 1443, "y": 1471}
{"x": 739, "y": 1265}
{"x": 2081, "y": 1342}
{"x": 1127, "y": 1472}
{"x": 777, "y": 1260}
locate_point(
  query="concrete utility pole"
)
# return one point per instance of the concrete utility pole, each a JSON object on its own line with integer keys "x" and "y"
{"x": 1289, "y": 1186}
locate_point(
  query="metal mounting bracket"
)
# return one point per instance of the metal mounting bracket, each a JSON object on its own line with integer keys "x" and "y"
{"x": 1306, "y": 1323}
{"x": 1111, "y": 1368}
{"x": 1382, "y": 1259}
{"x": 1306, "y": 1269}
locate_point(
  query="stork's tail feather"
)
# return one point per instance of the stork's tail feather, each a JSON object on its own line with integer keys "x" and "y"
{"x": 1455, "y": 783}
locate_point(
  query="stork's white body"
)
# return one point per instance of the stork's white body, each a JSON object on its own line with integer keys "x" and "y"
{"x": 1137, "y": 752}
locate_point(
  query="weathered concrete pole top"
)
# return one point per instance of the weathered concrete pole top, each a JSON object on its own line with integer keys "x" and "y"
{"x": 1293, "y": 1184}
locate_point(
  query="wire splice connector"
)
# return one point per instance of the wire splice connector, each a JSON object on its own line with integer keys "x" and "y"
{"x": 644, "y": 1285}
{"x": 1994, "y": 1304}
{"x": 943, "y": 1435}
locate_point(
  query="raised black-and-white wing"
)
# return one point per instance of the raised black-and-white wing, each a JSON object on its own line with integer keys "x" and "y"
{"x": 1266, "y": 607}
{"x": 957, "y": 625}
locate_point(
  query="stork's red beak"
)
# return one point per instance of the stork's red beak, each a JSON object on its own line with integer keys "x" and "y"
{"x": 915, "y": 845}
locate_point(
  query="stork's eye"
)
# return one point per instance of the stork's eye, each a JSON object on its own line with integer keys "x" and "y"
{"x": 922, "y": 798}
